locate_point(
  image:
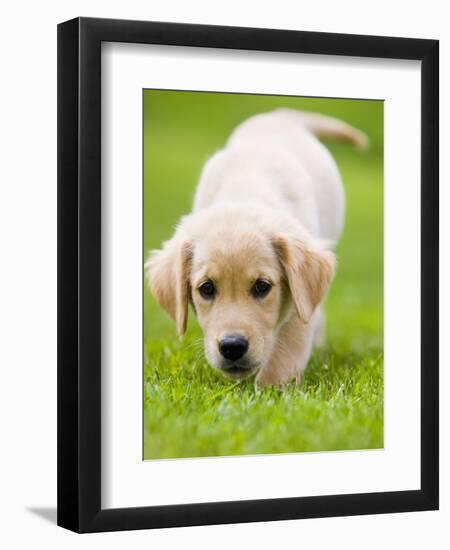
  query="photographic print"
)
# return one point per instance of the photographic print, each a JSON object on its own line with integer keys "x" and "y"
{"x": 237, "y": 299}
{"x": 263, "y": 274}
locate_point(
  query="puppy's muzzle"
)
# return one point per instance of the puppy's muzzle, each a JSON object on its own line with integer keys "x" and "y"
{"x": 235, "y": 364}
{"x": 233, "y": 347}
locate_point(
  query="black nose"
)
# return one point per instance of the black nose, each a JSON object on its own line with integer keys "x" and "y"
{"x": 233, "y": 347}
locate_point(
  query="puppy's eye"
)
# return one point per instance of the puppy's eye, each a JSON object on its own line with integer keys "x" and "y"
{"x": 207, "y": 290}
{"x": 261, "y": 288}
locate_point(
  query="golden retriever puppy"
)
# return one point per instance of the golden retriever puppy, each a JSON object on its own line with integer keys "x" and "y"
{"x": 253, "y": 258}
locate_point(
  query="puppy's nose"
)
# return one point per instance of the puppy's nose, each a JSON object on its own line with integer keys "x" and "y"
{"x": 233, "y": 346}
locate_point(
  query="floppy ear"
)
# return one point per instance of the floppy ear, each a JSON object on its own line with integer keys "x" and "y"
{"x": 168, "y": 276}
{"x": 309, "y": 269}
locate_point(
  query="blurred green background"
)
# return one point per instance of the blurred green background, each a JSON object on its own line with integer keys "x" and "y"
{"x": 181, "y": 130}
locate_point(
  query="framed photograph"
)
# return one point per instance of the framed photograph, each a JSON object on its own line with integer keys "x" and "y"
{"x": 247, "y": 275}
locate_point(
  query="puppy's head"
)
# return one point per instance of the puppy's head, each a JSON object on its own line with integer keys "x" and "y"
{"x": 243, "y": 279}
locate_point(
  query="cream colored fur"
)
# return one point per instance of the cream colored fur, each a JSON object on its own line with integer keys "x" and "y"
{"x": 270, "y": 205}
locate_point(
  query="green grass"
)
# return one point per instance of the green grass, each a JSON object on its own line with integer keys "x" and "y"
{"x": 190, "y": 409}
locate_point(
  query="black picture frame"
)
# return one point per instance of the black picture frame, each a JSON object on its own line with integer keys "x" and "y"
{"x": 79, "y": 274}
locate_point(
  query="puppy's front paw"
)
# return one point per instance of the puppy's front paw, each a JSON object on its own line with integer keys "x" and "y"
{"x": 272, "y": 377}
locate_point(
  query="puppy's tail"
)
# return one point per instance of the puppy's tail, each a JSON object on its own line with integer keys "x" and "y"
{"x": 327, "y": 127}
